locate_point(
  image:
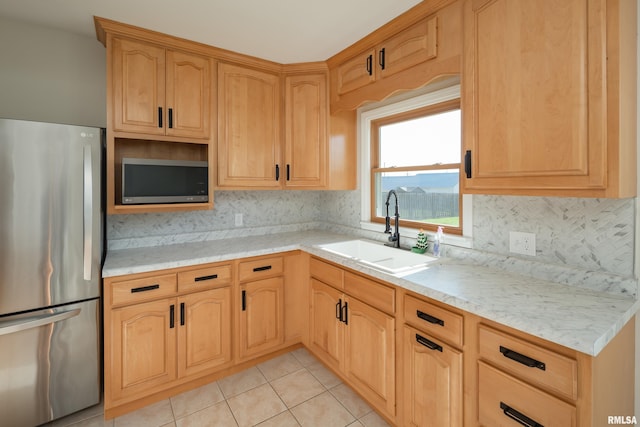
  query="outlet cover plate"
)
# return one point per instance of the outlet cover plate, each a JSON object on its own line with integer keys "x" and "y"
{"x": 522, "y": 243}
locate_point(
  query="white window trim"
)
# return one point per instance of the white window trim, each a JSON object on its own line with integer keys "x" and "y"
{"x": 384, "y": 109}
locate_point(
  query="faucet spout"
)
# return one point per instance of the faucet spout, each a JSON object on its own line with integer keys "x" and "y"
{"x": 394, "y": 239}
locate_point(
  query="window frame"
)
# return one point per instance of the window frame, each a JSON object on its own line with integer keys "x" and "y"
{"x": 432, "y": 108}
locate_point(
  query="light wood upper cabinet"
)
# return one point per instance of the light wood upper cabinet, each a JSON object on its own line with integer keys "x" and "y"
{"x": 407, "y": 53}
{"x": 158, "y": 91}
{"x": 539, "y": 82}
{"x": 410, "y": 47}
{"x": 306, "y": 111}
{"x": 249, "y": 129}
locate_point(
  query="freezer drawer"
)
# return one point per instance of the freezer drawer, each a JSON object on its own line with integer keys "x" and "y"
{"x": 49, "y": 363}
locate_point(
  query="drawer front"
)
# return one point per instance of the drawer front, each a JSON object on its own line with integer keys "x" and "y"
{"x": 503, "y": 399}
{"x": 145, "y": 289}
{"x": 327, "y": 273}
{"x": 204, "y": 278}
{"x": 257, "y": 269}
{"x": 527, "y": 361}
{"x": 373, "y": 293}
{"x": 433, "y": 320}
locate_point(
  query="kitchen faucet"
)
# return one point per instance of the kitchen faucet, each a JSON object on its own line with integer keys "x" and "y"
{"x": 394, "y": 239}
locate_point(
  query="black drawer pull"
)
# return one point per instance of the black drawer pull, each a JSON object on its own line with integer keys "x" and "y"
{"x": 170, "y": 118}
{"x": 344, "y": 313}
{"x": 518, "y": 416}
{"x": 159, "y": 117}
{"x": 263, "y": 268}
{"x": 521, "y": 358}
{"x": 339, "y": 310}
{"x": 172, "y": 315}
{"x": 181, "y": 314}
{"x": 244, "y": 300}
{"x": 427, "y": 343}
{"x": 145, "y": 288}
{"x": 370, "y": 64}
{"x": 429, "y": 318}
{"x": 203, "y": 278}
{"x": 467, "y": 164}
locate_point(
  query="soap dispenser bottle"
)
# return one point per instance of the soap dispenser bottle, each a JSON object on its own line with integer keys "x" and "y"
{"x": 437, "y": 244}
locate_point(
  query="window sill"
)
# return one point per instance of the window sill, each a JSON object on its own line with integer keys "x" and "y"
{"x": 411, "y": 234}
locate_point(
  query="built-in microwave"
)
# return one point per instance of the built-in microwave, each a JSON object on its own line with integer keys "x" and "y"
{"x": 164, "y": 181}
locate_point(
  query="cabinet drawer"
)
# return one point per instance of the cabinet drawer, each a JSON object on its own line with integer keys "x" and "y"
{"x": 257, "y": 269}
{"x": 531, "y": 363}
{"x": 433, "y": 320}
{"x": 145, "y": 289}
{"x": 327, "y": 273}
{"x": 204, "y": 278}
{"x": 373, "y": 293}
{"x": 503, "y": 399}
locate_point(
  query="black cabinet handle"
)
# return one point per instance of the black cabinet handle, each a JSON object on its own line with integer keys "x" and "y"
{"x": 263, "y": 268}
{"x": 181, "y": 314}
{"x": 428, "y": 343}
{"x": 467, "y": 163}
{"x": 288, "y": 172}
{"x": 144, "y": 288}
{"x": 381, "y": 58}
{"x": 429, "y": 318}
{"x": 203, "y": 278}
{"x": 159, "y": 117}
{"x": 521, "y": 358}
{"x": 518, "y": 416}
{"x": 277, "y": 173}
{"x": 170, "y": 118}
{"x": 370, "y": 64}
{"x": 244, "y": 300}
{"x": 172, "y": 315}
{"x": 339, "y": 310}
{"x": 344, "y": 313}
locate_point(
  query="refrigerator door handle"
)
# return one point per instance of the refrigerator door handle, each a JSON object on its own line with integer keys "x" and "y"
{"x": 87, "y": 214}
{"x": 11, "y": 327}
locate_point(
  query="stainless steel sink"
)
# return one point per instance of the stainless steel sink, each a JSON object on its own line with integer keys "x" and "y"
{"x": 378, "y": 256}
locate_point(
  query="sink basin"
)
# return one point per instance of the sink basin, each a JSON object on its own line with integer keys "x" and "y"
{"x": 376, "y": 255}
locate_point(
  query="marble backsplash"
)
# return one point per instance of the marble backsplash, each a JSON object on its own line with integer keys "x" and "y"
{"x": 590, "y": 241}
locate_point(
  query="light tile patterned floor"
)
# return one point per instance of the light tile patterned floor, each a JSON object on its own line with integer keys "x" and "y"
{"x": 291, "y": 390}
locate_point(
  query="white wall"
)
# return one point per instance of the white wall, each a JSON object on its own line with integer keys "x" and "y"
{"x": 51, "y": 76}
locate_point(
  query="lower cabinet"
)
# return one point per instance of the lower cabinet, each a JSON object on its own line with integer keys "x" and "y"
{"x": 356, "y": 340}
{"x": 204, "y": 334}
{"x": 261, "y": 316}
{"x": 432, "y": 373}
{"x": 143, "y": 352}
{"x": 149, "y": 338}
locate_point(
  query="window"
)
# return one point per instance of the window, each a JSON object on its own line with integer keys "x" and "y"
{"x": 416, "y": 153}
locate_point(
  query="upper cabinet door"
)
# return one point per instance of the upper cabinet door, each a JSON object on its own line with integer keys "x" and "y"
{"x": 188, "y": 95}
{"x": 357, "y": 72}
{"x": 535, "y": 97}
{"x": 416, "y": 44}
{"x": 306, "y": 110}
{"x": 249, "y": 103}
{"x": 138, "y": 87}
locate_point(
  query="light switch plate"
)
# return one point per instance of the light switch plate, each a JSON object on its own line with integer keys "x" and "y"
{"x": 522, "y": 243}
{"x": 239, "y": 220}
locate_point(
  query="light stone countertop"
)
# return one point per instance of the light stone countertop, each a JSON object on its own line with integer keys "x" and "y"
{"x": 574, "y": 317}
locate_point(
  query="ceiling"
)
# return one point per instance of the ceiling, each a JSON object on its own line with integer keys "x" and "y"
{"x": 284, "y": 31}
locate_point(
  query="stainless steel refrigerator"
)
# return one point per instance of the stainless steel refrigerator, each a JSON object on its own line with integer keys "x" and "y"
{"x": 51, "y": 244}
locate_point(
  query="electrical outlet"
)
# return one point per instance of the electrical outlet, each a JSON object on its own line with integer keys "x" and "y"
{"x": 238, "y": 220}
{"x": 522, "y": 243}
